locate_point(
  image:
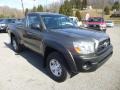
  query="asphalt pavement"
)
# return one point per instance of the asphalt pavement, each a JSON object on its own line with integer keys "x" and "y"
{"x": 25, "y": 72}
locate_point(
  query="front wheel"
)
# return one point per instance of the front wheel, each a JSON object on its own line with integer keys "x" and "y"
{"x": 15, "y": 45}
{"x": 104, "y": 30}
{"x": 56, "y": 68}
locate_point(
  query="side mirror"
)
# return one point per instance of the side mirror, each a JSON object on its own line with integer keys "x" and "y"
{"x": 36, "y": 26}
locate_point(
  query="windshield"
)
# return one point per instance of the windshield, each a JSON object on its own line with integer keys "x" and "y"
{"x": 96, "y": 19}
{"x": 57, "y": 22}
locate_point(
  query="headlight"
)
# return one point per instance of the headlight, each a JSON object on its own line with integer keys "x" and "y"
{"x": 2, "y": 24}
{"x": 84, "y": 47}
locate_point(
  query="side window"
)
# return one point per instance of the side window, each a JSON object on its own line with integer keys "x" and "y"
{"x": 33, "y": 19}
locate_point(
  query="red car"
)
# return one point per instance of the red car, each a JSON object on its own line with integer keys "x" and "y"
{"x": 96, "y": 23}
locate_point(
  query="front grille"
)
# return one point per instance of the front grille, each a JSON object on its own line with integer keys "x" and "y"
{"x": 94, "y": 26}
{"x": 103, "y": 45}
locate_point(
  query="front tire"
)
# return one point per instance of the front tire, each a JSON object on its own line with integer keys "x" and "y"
{"x": 15, "y": 45}
{"x": 56, "y": 68}
{"x": 104, "y": 30}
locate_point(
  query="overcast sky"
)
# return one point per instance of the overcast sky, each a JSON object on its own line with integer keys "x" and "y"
{"x": 27, "y": 3}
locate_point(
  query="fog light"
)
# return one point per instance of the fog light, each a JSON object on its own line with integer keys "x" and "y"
{"x": 87, "y": 66}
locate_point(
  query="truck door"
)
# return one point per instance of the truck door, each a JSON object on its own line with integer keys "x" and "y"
{"x": 33, "y": 37}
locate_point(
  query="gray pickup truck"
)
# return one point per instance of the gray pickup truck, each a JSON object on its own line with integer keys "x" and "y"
{"x": 67, "y": 49}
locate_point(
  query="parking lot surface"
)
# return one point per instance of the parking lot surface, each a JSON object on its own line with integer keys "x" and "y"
{"x": 24, "y": 71}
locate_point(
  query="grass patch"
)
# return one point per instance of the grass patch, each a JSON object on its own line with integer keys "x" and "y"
{"x": 97, "y": 12}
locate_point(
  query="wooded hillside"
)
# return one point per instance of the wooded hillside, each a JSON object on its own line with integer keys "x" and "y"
{"x": 10, "y": 12}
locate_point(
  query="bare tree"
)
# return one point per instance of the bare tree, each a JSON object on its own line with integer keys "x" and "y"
{"x": 10, "y": 12}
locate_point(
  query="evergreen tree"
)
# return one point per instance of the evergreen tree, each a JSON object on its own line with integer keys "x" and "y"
{"x": 78, "y": 15}
{"x": 34, "y": 9}
{"x": 107, "y": 10}
{"x": 61, "y": 10}
{"x": 26, "y": 11}
{"x": 66, "y": 8}
{"x": 116, "y": 6}
{"x": 39, "y": 8}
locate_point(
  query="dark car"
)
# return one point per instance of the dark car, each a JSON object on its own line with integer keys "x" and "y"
{"x": 4, "y": 23}
{"x": 66, "y": 49}
{"x": 96, "y": 23}
{"x": 1, "y": 19}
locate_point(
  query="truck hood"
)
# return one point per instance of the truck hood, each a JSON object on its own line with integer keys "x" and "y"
{"x": 95, "y": 23}
{"x": 81, "y": 34}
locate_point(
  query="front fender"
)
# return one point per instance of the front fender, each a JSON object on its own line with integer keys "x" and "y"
{"x": 17, "y": 36}
{"x": 65, "y": 52}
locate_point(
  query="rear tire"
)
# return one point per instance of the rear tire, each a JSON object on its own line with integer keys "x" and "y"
{"x": 56, "y": 68}
{"x": 15, "y": 45}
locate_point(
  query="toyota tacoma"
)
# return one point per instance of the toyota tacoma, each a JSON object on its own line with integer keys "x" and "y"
{"x": 66, "y": 49}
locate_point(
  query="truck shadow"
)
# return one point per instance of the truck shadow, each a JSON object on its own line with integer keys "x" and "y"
{"x": 32, "y": 57}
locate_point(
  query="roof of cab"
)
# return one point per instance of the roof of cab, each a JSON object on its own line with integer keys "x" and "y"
{"x": 45, "y": 13}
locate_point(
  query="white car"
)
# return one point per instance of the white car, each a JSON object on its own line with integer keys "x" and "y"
{"x": 109, "y": 24}
{"x": 76, "y": 21}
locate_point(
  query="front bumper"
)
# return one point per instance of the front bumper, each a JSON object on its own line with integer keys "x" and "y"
{"x": 91, "y": 63}
{"x": 97, "y": 27}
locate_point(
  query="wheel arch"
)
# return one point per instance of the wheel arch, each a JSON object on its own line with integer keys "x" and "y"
{"x": 55, "y": 47}
{"x": 13, "y": 34}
